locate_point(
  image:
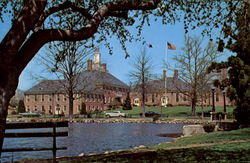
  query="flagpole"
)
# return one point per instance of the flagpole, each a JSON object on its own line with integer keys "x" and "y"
{"x": 165, "y": 94}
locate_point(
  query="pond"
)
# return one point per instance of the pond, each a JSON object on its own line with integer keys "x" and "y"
{"x": 94, "y": 138}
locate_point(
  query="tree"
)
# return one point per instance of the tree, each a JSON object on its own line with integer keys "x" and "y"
{"x": 192, "y": 65}
{"x": 238, "y": 84}
{"x": 36, "y": 22}
{"x": 19, "y": 95}
{"x": 29, "y": 32}
{"x": 141, "y": 75}
{"x": 14, "y": 102}
{"x": 127, "y": 103}
{"x": 83, "y": 109}
{"x": 67, "y": 61}
{"x": 21, "y": 107}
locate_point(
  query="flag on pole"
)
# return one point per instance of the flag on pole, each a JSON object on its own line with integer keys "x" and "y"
{"x": 171, "y": 46}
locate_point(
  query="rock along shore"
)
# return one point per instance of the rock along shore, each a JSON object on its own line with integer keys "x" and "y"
{"x": 110, "y": 120}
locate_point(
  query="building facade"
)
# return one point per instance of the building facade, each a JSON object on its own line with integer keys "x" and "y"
{"x": 97, "y": 90}
{"x": 171, "y": 91}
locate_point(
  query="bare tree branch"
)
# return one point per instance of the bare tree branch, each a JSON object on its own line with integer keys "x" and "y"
{"x": 38, "y": 39}
{"x": 192, "y": 65}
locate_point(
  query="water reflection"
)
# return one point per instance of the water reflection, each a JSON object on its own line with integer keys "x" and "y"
{"x": 95, "y": 138}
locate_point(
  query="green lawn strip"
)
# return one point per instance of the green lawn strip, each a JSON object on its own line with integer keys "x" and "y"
{"x": 236, "y": 152}
{"x": 230, "y": 147}
{"x": 203, "y": 154}
{"x": 175, "y": 111}
{"x": 213, "y": 137}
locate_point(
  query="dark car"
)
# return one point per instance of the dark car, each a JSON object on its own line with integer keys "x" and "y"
{"x": 150, "y": 114}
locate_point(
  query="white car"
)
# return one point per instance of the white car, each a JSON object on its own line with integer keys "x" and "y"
{"x": 115, "y": 114}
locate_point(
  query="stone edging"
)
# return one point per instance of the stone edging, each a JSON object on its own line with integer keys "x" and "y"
{"x": 110, "y": 120}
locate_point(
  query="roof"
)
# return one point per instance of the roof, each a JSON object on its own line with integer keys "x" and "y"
{"x": 171, "y": 83}
{"x": 102, "y": 78}
{"x": 88, "y": 81}
{"x": 46, "y": 86}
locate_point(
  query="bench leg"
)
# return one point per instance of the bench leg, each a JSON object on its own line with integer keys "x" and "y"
{"x": 54, "y": 144}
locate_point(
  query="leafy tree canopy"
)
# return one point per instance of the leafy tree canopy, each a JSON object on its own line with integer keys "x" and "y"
{"x": 212, "y": 15}
{"x": 239, "y": 65}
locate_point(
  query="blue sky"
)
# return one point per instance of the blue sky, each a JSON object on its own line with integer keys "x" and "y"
{"x": 156, "y": 34}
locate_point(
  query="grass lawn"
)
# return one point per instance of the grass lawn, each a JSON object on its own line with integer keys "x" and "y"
{"x": 231, "y": 146}
{"x": 175, "y": 111}
{"x": 213, "y": 137}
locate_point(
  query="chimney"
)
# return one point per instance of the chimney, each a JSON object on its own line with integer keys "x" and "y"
{"x": 104, "y": 67}
{"x": 224, "y": 73}
{"x": 175, "y": 74}
{"x": 89, "y": 62}
{"x": 164, "y": 75}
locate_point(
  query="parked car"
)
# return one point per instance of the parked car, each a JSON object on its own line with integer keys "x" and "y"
{"x": 150, "y": 114}
{"x": 30, "y": 114}
{"x": 38, "y": 112}
{"x": 115, "y": 114}
{"x": 35, "y": 113}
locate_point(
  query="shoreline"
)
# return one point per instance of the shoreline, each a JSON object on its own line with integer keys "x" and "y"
{"x": 111, "y": 120}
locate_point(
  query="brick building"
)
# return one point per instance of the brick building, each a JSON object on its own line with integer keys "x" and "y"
{"x": 174, "y": 92}
{"x": 97, "y": 90}
{"x": 162, "y": 92}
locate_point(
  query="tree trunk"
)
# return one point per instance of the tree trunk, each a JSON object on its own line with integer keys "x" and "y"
{"x": 3, "y": 116}
{"x": 193, "y": 103}
{"x": 202, "y": 107}
{"x": 71, "y": 103}
{"x": 6, "y": 92}
{"x": 143, "y": 100}
{"x": 193, "y": 108}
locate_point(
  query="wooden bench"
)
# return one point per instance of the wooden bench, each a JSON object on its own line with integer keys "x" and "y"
{"x": 35, "y": 125}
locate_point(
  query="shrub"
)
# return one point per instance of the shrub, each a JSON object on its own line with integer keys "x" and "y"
{"x": 156, "y": 117}
{"x": 209, "y": 127}
{"x": 13, "y": 112}
{"x": 21, "y": 107}
{"x": 83, "y": 109}
{"x": 127, "y": 103}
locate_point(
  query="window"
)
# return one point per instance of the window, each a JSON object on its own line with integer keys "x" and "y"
{"x": 64, "y": 98}
{"x": 153, "y": 98}
{"x": 42, "y": 99}
{"x": 35, "y": 97}
{"x": 49, "y": 98}
{"x": 58, "y": 97}
{"x": 43, "y": 109}
{"x": 77, "y": 97}
{"x": 50, "y": 109}
{"x": 184, "y": 98}
{"x": 64, "y": 108}
{"x": 217, "y": 97}
{"x": 177, "y": 97}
